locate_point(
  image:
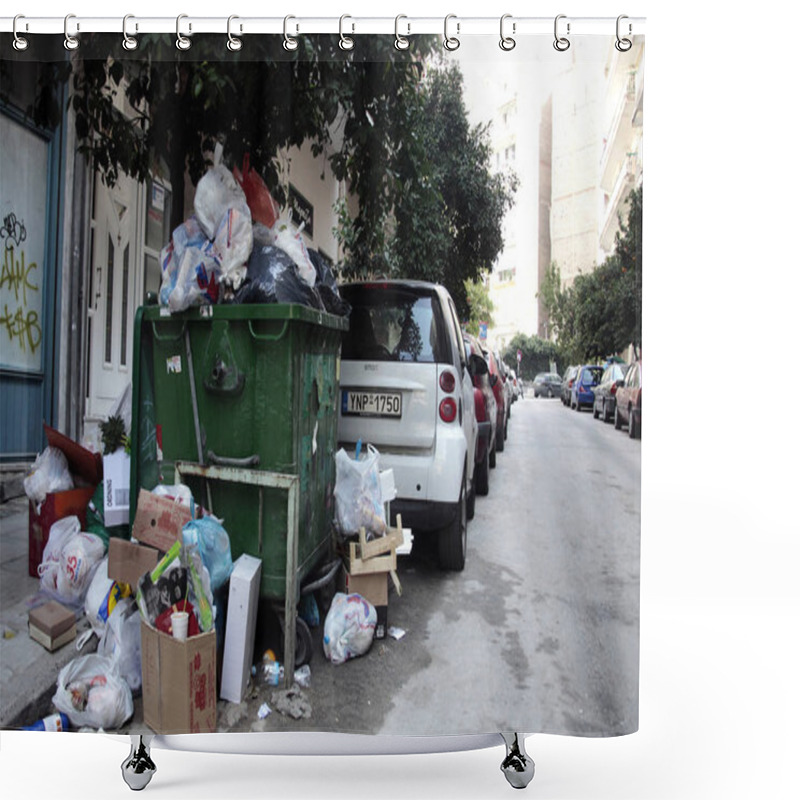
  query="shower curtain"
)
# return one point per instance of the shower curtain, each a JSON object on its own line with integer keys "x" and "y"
{"x": 508, "y": 170}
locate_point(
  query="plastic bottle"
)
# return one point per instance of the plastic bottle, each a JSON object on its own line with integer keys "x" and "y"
{"x": 55, "y": 722}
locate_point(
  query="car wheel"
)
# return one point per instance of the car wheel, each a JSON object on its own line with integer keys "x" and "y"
{"x": 605, "y": 412}
{"x": 617, "y": 419}
{"x": 493, "y": 455}
{"x": 452, "y": 539}
{"x": 500, "y": 440}
{"x": 595, "y": 412}
{"x": 482, "y": 477}
{"x": 633, "y": 425}
{"x": 550, "y": 393}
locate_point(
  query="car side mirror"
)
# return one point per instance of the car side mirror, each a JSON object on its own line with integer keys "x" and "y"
{"x": 493, "y": 380}
{"x": 477, "y": 365}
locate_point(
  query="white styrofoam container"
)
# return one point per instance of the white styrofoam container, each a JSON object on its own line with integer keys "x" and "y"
{"x": 240, "y": 627}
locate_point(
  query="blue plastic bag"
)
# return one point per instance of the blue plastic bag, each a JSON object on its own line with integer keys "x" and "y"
{"x": 214, "y": 546}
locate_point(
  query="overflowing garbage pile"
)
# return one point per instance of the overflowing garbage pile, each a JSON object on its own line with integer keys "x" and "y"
{"x": 166, "y": 604}
{"x": 238, "y": 247}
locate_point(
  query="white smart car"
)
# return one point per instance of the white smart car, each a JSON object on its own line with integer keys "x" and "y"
{"x": 406, "y": 388}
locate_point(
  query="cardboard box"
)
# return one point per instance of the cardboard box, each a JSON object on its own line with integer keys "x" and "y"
{"x": 179, "y": 682}
{"x": 85, "y": 467}
{"x": 159, "y": 520}
{"x": 240, "y": 627}
{"x": 128, "y": 561}
{"x": 116, "y": 488}
{"x": 375, "y": 588}
{"x": 52, "y": 625}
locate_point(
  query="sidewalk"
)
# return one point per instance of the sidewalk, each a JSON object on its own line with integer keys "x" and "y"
{"x": 28, "y": 673}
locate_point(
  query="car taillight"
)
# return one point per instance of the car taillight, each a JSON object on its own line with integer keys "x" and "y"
{"x": 480, "y": 407}
{"x": 448, "y": 382}
{"x": 448, "y": 409}
{"x": 613, "y": 388}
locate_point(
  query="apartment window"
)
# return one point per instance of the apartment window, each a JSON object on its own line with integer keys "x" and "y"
{"x": 506, "y": 275}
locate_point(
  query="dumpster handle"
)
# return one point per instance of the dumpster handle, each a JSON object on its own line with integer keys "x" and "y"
{"x": 267, "y": 337}
{"x": 168, "y": 338}
{"x": 224, "y": 461}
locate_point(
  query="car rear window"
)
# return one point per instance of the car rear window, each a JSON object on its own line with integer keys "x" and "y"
{"x": 591, "y": 376}
{"x": 393, "y": 323}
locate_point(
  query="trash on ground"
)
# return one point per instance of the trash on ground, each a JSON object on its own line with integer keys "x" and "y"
{"x": 396, "y": 633}
{"x": 91, "y": 691}
{"x": 358, "y": 494}
{"x": 52, "y": 625}
{"x": 264, "y": 711}
{"x": 349, "y": 627}
{"x": 292, "y": 703}
{"x": 53, "y": 723}
{"x": 302, "y": 676}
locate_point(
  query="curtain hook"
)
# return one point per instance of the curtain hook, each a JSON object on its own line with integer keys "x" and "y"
{"x": 20, "y": 42}
{"x": 234, "y": 43}
{"x": 182, "y": 42}
{"x": 70, "y": 42}
{"x": 561, "y": 43}
{"x": 288, "y": 42}
{"x": 506, "y": 42}
{"x": 451, "y": 42}
{"x": 623, "y": 45}
{"x": 129, "y": 42}
{"x": 400, "y": 42}
{"x": 345, "y": 42}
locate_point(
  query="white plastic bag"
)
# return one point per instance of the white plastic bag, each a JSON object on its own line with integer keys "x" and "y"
{"x": 91, "y": 692}
{"x": 349, "y": 627}
{"x": 291, "y": 242}
{"x": 233, "y": 243}
{"x": 102, "y": 597}
{"x": 358, "y": 493}
{"x": 69, "y": 561}
{"x": 217, "y": 191}
{"x": 197, "y": 280}
{"x": 49, "y": 473}
{"x": 122, "y": 642}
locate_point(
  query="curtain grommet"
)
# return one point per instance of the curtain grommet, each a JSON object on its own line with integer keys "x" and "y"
{"x": 70, "y": 42}
{"x": 289, "y": 43}
{"x": 182, "y": 42}
{"x": 506, "y": 42}
{"x": 129, "y": 42}
{"x": 20, "y": 42}
{"x": 561, "y": 43}
{"x": 346, "y": 42}
{"x": 451, "y": 43}
{"x": 401, "y": 42}
{"x": 623, "y": 44}
{"x": 234, "y": 44}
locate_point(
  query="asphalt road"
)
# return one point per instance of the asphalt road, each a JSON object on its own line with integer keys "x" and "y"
{"x": 540, "y": 632}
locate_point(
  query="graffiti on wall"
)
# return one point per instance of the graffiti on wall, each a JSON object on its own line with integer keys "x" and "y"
{"x": 19, "y": 314}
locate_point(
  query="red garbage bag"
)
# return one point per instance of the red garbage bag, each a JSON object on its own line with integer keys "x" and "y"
{"x": 262, "y": 207}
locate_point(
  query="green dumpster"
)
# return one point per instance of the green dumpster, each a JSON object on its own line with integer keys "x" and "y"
{"x": 241, "y": 393}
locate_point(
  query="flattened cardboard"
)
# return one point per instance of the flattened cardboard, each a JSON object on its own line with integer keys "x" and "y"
{"x": 128, "y": 561}
{"x": 179, "y": 682}
{"x": 159, "y": 520}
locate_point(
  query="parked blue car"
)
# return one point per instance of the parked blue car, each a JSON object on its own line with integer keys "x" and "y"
{"x": 583, "y": 387}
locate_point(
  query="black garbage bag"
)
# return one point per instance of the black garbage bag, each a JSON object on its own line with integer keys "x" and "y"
{"x": 272, "y": 277}
{"x": 326, "y": 285}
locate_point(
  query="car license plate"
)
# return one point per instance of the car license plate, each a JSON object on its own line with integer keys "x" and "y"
{"x": 372, "y": 404}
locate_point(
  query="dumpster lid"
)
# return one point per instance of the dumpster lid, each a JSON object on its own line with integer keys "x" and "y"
{"x": 81, "y": 461}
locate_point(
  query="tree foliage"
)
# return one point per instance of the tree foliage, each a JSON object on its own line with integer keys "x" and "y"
{"x": 480, "y": 306}
{"x": 537, "y": 355}
{"x": 428, "y": 205}
{"x": 601, "y": 313}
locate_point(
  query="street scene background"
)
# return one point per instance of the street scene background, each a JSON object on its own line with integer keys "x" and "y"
{"x": 693, "y": 557}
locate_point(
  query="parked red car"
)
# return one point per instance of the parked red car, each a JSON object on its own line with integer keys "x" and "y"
{"x": 486, "y": 416}
{"x": 496, "y": 381}
{"x": 628, "y": 410}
